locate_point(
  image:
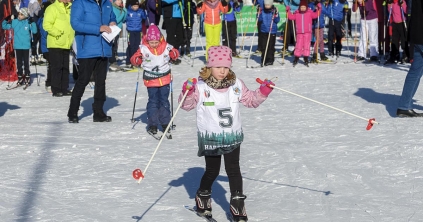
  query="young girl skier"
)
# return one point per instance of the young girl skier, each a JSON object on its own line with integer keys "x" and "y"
{"x": 23, "y": 29}
{"x": 154, "y": 55}
{"x": 216, "y": 98}
{"x": 397, "y": 8}
{"x": 212, "y": 24}
{"x": 303, "y": 20}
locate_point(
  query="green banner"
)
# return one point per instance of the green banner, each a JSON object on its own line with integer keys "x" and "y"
{"x": 246, "y": 19}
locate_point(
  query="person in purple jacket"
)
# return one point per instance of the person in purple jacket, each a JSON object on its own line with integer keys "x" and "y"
{"x": 368, "y": 30}
{"x": 153, "y": 11}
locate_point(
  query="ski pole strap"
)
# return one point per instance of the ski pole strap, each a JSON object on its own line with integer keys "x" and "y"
{"x": 370, "y": 121}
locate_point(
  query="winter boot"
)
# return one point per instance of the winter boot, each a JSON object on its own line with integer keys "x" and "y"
{"x": 73, "y": 118}
{"x": 203, "y": 202}
{"x": 168, "y": 134}
{"x": 323, "y": 57}
{"x": 296, "y": 60}
{"x": 314, "y": 58}
{"x": 237, "y": 206}
{"x": 28, "y": 79}
{"x": 20, "y": 80}
{"x": 306, "y": 60}
{"x": 100, "y": 116}
{"x": 152, "y": 130}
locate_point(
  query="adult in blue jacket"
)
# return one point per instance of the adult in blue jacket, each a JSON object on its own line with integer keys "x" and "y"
{"x": 89, "y": 19}
{"x": 290, "y": 29}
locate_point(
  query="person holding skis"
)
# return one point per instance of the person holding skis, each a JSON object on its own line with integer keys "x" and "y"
{"x": 368, "y": 30}
{"x": 397, "y": 8}
{"x": 269, "y": 19}
{"x": 216, "y": 97}
{"x": 22, "y": 27}
{"x": 304, "y": 19}
{"x": 229, "y": 27}
{"x": 212, "y": 24}
{"x": 153, "y": 56}
{"x": 412, "y": 80}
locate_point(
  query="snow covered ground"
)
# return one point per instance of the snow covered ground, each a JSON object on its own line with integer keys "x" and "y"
{"x": 301, "y": 161}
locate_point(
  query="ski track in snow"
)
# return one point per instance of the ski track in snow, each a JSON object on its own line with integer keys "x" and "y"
{"x": 300, "y": 161}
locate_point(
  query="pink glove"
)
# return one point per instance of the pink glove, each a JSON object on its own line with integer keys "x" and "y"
{"x": 189, "y": 85}
{"x": 265, "y": 89}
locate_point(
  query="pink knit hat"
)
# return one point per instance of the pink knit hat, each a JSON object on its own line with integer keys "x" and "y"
{"x": 219, "y": 56}
{"x": 153, "y": 33}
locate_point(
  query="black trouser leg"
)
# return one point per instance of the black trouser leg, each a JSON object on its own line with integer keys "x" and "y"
{"x": 175, "y": 32}
{"x": 188, "y": 32}
{"x": 86, "y": 68}
{"x": 232, "y": 30}
{"x": 19, "y": 61}
{"x": 338, "y": 34}
{"x": 59, "y": 60}
{"x": 395, "y": 41}
{"x": 331, "y": 33}
{"x": 232, "y": 170}
{"x": 134, "y": 42}
{"x": 115, "y": 50}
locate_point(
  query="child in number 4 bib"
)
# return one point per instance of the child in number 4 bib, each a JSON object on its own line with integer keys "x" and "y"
{"x": 216, "y": 97}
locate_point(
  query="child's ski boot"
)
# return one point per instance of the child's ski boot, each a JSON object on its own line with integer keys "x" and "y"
{"x": 306, "y": 61}
{"x": 203, "y": 202}
{"x": 296, "y": 60}
{"x": 237, "y": 207}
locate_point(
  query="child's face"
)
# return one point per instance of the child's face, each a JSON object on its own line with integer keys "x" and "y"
{"x": 303, "y": 8}
{"x": 267, "y": 6}
{"x": 219, "y": 72}
{"x": 153, "y": 43}
{"x": 118, "y": 2}
{"x": 135, "y": 7}
{"x": 21, "y": 17}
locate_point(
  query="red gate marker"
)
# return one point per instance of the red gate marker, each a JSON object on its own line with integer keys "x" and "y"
{"x": 137, "y": 174}
{"x": 370, "y": 124}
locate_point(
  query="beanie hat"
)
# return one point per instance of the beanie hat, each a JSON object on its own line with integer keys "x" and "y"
{"x": 153, "y": 33}
{"x": 24, "y": 12}
{"x": 268, "y": 2}
{"x": 303, "y": 3}
{"x": 219, "y": 56}
{"x": 132, "y": 2}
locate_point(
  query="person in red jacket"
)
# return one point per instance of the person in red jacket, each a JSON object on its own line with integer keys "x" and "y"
{"x": 154, "y": 56}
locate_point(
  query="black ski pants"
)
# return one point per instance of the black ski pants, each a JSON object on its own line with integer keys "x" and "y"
{"x": 229, "y": 32}
{"x": 399, "y": 38}
{"x": 186, "y": 46}
{"x": 87, "y": 67}
{"x": 174, "y": 31}
{"x": 270, "y": 54}
{"x": 115, "y": 50}
{"x": 22, "y": 59}
{"x": 289, "y": 32}
{"x": 335, "y": 29}
{"x": 133, "y": 45}
{"x": 59, "y": 68}
{"x": 232, "y": 170}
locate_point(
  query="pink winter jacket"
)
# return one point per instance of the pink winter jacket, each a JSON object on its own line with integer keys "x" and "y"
{"x": 303, "y": 20}
{"x": 250, "y": 99}
{"x": 397, "y": 14}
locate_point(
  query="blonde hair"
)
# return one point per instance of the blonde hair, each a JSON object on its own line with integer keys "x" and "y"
{"x": 205, "y": 73}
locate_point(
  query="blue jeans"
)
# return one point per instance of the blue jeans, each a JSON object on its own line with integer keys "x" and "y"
{"x": 412, "y": 80}
{"x": 158, "y": 107}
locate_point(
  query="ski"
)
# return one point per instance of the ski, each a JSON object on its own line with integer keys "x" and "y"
{"x": 156, "y": 136}
{"x": 207, "y": 218}
{"x": 14, "y": 87}
{"x": 26, "y": 86}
